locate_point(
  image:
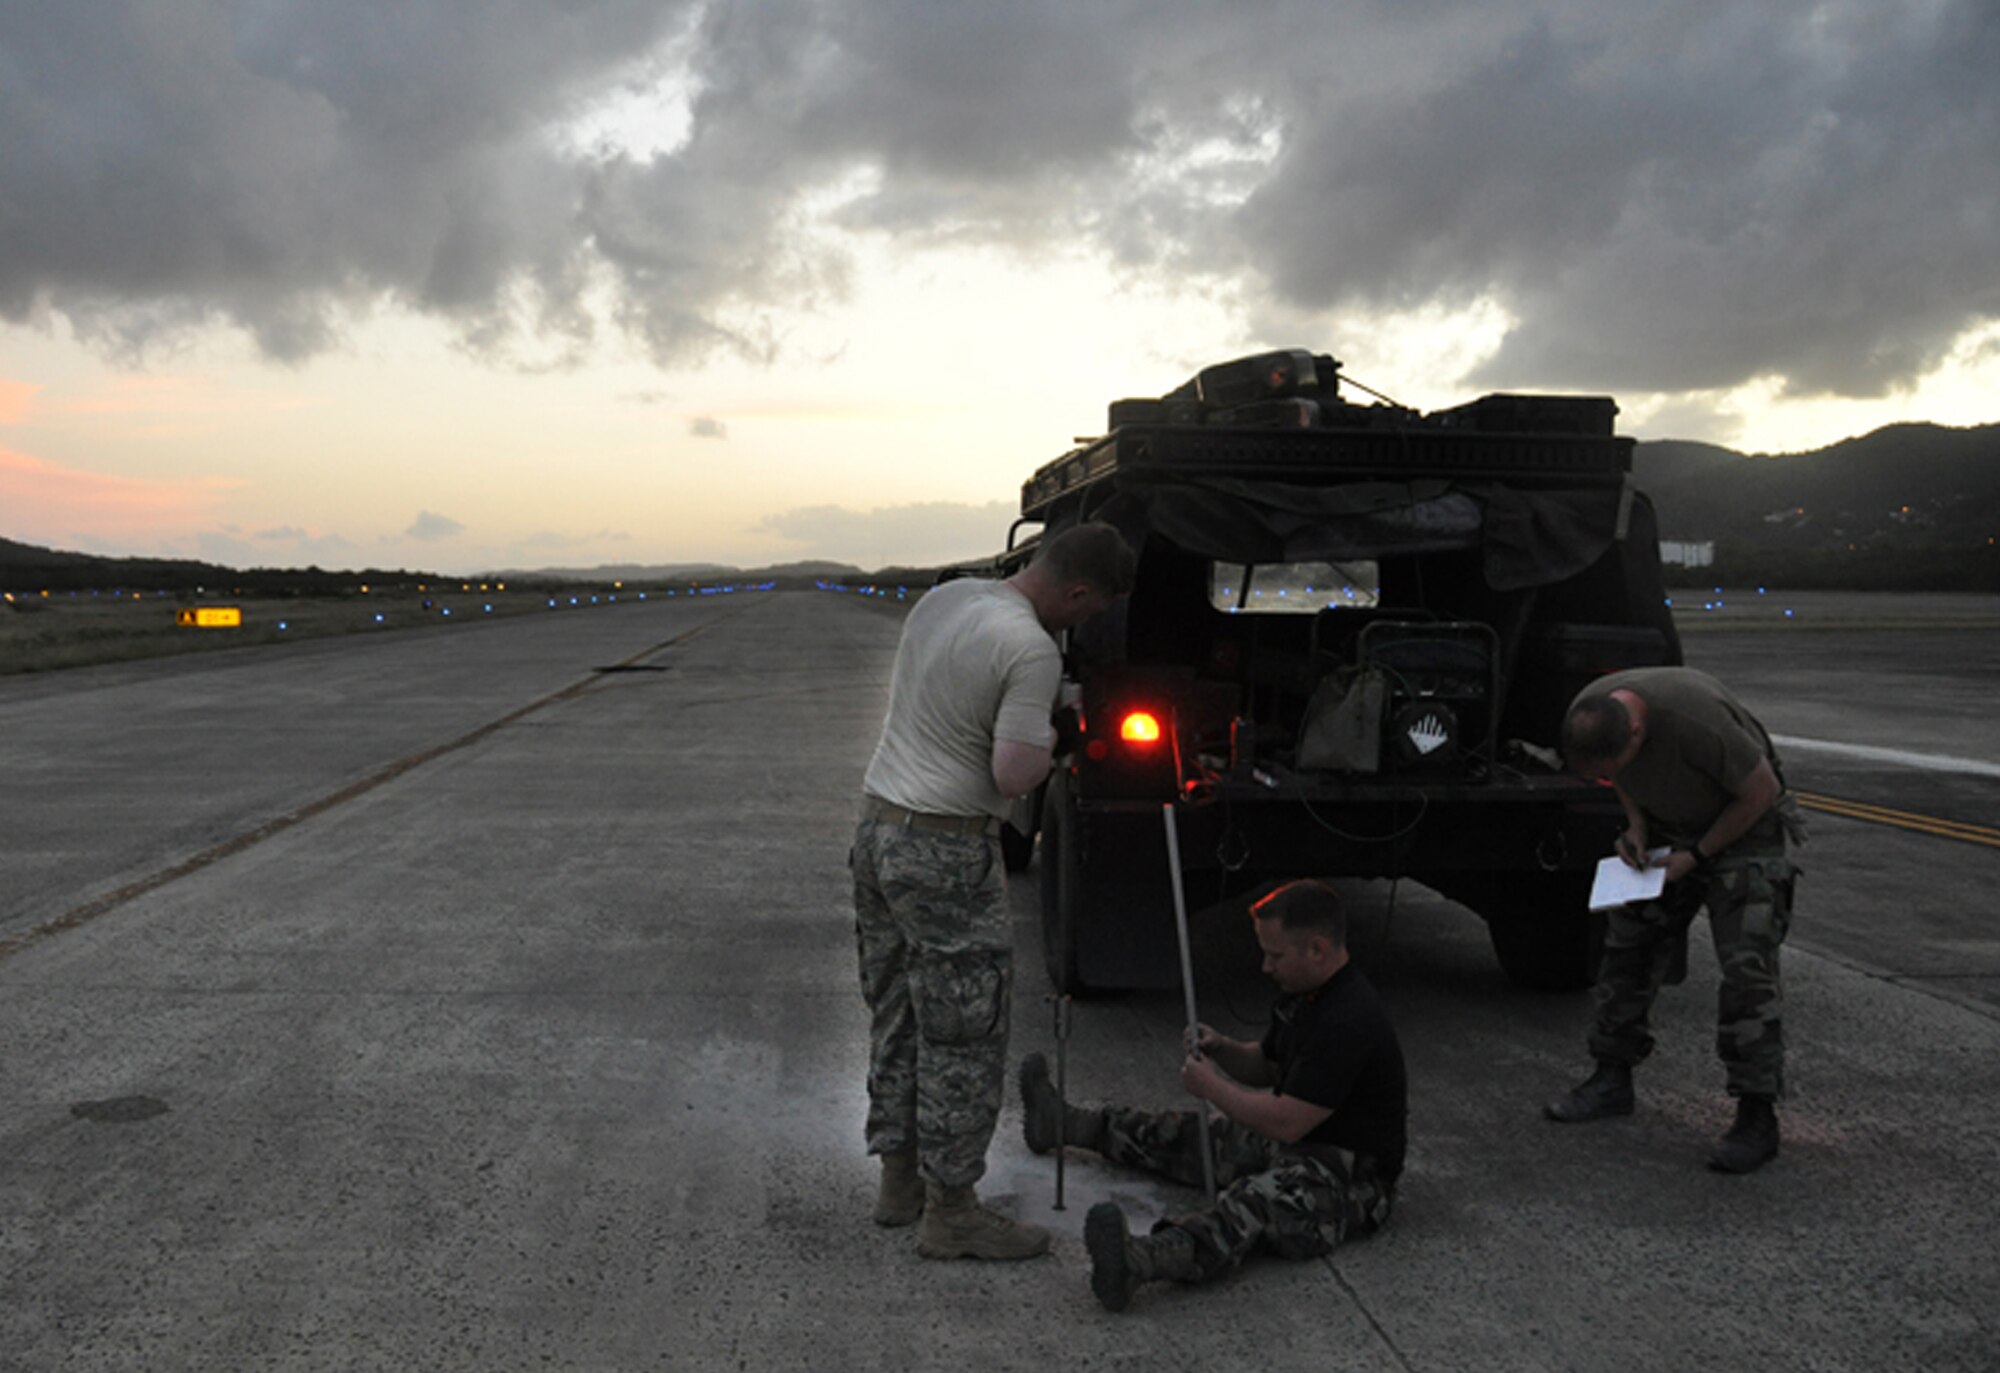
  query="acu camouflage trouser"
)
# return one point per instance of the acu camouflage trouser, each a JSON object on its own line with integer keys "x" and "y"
{"x": 1269, "y": 1197}
{"x": 1749, "y": 898}
{"x": 936, "y": 950}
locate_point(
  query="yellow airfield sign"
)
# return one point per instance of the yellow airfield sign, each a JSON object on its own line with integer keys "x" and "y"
{"x": 209, "y": 617}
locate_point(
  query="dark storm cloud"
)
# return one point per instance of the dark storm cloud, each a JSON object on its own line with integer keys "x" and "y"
{"x": 269, "y": 161}
{"x": 1662, "y": 197}
{"x": 1800, "y": 190}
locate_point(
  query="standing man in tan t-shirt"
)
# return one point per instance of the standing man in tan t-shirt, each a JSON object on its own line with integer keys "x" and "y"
{"x": 1696, "y": 773}
{"x": 968, "y": 729}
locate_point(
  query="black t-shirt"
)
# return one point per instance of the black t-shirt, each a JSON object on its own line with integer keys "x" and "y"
{"x": 1334, "y": 1047}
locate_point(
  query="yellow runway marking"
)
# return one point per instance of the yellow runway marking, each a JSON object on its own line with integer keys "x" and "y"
{"x": 1901, "y": 819}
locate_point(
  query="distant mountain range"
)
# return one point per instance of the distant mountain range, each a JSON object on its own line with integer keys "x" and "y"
{"x": 1908, "y": 505}
{"x": 671, "y": 572}
{"x": 27, "y": 567}
{"x": 1907, "y": 485}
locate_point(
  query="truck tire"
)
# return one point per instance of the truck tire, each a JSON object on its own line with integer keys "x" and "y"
{"x": 1107, "y": 903}
{"x": 1544, "y": 933}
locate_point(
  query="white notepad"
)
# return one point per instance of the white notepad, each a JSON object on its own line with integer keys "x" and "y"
{"x": 1619, "y": 883}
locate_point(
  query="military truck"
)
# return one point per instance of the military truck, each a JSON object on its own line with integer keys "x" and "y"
{"x": 1353, "y": 634}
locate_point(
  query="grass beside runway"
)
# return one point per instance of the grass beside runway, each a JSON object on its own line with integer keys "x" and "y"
{"x": 45, "y": 633}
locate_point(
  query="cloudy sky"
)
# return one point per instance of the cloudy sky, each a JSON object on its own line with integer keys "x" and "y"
{"x": 471, "y": 284}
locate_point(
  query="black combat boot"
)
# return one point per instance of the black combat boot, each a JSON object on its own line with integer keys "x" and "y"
{"x": 1042, "y": 1112}
{"x": 1752, "y": 1141}
{"x": 1119, "y": 1264}
{"x": 1606, "y": 1092}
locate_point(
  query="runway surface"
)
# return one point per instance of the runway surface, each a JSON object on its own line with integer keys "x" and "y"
{"x": 440, "y": 1001}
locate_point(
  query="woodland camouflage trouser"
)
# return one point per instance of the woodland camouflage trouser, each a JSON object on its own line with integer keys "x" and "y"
{"x": 936, "y": 947}
{"x": 1269, "y": 1196}
{"x": 1749, "y": 898}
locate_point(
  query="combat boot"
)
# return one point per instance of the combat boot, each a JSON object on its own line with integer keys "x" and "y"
{"x": 1606, "y": 1092}
{"x": 901, "y": 1199}
{"x": 1752, "y": 1141}
{"x": 956, "y": 1226}
{"x": 1042, "y": 1110}
{"x": 1119, "y": 1264}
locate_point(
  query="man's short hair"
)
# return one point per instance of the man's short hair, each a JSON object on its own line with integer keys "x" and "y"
{"x": 1596, "y": 730}
{"x": 1095, "y": 554}
{"x": 1306, "y": 907}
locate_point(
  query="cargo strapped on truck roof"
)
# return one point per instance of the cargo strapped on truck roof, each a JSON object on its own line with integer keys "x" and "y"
{"x": 1325, "y": 456}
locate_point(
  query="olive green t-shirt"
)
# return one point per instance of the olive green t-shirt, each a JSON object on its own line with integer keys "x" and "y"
{"x": 1701, "y": 746}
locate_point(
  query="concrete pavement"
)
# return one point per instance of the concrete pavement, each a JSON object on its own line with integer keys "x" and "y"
{"x": 546, "y": 1052}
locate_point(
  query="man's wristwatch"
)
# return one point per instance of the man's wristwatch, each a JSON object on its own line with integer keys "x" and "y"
{"x": 1702, "y": 861}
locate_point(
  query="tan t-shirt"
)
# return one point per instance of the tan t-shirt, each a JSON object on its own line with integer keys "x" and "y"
{"x": 1701, "y": 746}
{"x": 974, "y": 665}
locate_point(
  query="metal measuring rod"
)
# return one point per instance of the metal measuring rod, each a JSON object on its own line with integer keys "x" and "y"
{"x": 1187, "y": 980}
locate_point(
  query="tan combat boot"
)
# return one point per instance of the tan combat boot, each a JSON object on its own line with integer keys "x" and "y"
{"x": 901, "y": 1199}
{"x": 956, "y": 1226}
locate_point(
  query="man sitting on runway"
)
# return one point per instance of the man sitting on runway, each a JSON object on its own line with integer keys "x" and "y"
{"x": 1312, "y": 1140}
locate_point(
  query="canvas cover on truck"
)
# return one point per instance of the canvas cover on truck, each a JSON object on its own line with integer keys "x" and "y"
{"x": 1528, "y": 538}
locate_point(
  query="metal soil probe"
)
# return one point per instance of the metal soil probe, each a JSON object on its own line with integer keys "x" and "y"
{"x": 1187, "y": 979}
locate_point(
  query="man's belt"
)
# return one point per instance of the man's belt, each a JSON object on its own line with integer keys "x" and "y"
{"x": 885, "y": 812}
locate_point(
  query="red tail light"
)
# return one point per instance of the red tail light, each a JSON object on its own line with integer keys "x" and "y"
{"x": 1139, "y": 727}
